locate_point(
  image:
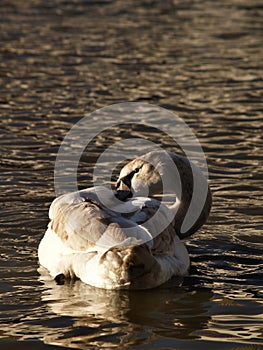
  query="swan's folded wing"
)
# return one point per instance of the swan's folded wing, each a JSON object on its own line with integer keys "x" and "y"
{"x": 78, "y": 220}
{"x": 83, "y": 223}
{"x": 158, "y": 219}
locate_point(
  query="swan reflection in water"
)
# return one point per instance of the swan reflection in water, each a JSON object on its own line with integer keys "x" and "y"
{"x": 122, "y": 317}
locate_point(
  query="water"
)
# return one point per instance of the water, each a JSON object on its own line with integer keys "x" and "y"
{"x": 203, "y": 61}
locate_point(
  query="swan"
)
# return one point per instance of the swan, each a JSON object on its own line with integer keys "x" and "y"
{"x": 115, "y": 241}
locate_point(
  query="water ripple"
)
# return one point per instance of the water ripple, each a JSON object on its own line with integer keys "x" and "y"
{"x": 202, "y": 60}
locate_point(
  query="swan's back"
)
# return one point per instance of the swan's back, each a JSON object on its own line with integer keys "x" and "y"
{"x": 111, "y": 244}
{"x": 90, "y": 218}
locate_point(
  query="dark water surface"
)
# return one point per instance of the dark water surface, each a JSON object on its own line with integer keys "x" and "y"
{"x": 200, "y": 59}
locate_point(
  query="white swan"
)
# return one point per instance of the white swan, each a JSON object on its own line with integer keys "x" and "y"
{"x": 93, "y": 237}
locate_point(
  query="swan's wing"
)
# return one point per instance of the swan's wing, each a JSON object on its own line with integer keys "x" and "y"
{"x": 157, "y": 219}
{"x": 79, "y": 222}
{"x": 160, "y": 223}
{"x": 83, "y": 223}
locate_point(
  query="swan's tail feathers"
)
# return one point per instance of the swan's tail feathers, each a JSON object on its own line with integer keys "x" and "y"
{"x": 138, "y": 261}
{"x": 133, "y": 265}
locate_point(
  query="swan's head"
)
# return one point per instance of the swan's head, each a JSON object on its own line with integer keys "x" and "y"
{"x": 152, "y": 174}
{"x": 140, "y": 177}
{"x": 180, "y": 183}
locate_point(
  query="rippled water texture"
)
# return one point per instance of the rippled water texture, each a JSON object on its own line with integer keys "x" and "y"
{"x": 203, "y": 61}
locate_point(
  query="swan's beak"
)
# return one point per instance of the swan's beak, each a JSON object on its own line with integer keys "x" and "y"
{"x": 122, "y": 186}
{"x": 123, "y": 190}
{"x": 122, "y": 195}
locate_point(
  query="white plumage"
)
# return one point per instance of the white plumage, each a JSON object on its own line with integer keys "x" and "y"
{"x": 111, "y": 244}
